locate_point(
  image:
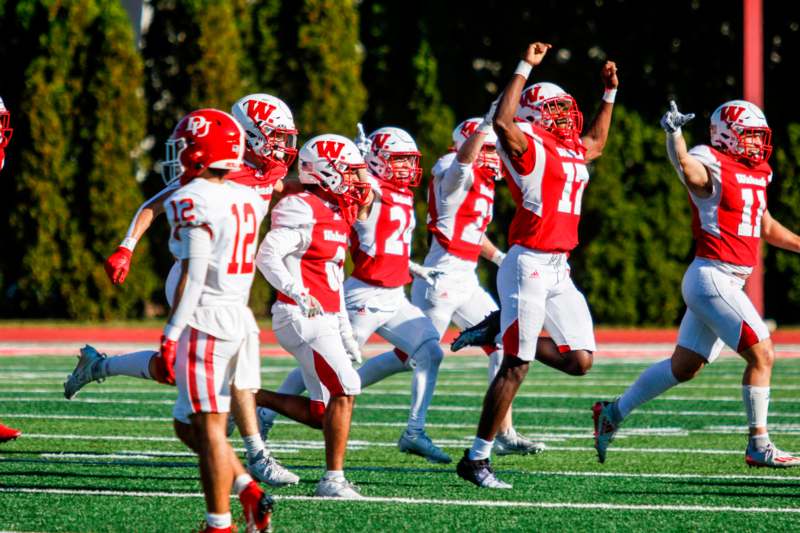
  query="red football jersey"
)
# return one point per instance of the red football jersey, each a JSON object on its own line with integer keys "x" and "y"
{"x": 262, "y": 182}
{"x": 320, "y": 264}
{"x": 459, "y": 219}
{"x": 381, "y": 245}
{"x": 727, "y": 225}
{"x": 547, "y": 184}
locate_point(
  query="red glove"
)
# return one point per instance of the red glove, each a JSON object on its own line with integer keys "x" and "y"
{"x": 167, "y": 355}
{"x": 118, "y": 264}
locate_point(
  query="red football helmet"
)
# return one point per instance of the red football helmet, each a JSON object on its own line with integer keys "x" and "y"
{"x": 206, "y": 138}
{"x": 5, "y": 131}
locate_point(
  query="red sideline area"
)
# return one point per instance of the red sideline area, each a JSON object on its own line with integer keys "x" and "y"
{"x": 97, "y": 334}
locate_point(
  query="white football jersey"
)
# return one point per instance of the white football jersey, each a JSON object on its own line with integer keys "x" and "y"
{"x": 231, "y": 214}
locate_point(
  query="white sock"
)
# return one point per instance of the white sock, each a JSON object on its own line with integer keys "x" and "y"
{"x": 481, "y": 449}
{"x": 380, "y": 367}
{"x": 423, "y": 382}
{"x": 218, "y": 520}
{"x": 253, "y": 445}
{"x": 333, "y": 475}
{"x": 760, "y": 441}
{"x": 756, "y": 404}
{"x": 135, "y": 365}
{"x": 292, "y": 384}
{"x": 241, "y": 482}
{"x": 651, "y": 383}
{"x": 495, "y": 361}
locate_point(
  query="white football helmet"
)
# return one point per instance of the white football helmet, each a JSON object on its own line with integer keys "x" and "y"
{"x": 550, "y": 107}
{"x": 488, "y": 155}
{"x": 331, "y": 161}
{"x": 740, "y": 128}
{"x": 269, "y": 128}
{"x": 394, "y": 156}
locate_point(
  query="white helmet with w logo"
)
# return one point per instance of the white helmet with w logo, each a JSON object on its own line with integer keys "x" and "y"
{"x": 330, "y": 160}
{"x": 269, "y": 127}
{"x": 394, "y": 156}
{"x": 740, "y": 128}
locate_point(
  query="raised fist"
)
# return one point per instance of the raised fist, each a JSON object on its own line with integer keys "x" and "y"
{"x": 609, "y": 75}
{"x": 536, "y": 52}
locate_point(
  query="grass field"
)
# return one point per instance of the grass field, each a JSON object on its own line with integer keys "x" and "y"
{"x": 108, "y": 460}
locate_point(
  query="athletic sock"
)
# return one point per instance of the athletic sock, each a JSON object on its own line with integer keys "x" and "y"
{"x": 253, "y": 445}
{"x": 333, "y": 475}
{"x": 219, "y": 521}
{"x": 756, "y": 404}
{"x": 135, "y": 365}
{"x": 651, "y": 383}
{"x": 481, "y": 449}
{"x": 241, "y": 482}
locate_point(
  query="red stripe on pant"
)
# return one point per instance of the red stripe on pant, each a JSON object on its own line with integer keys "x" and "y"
{"x": 208, "y": 360}
{"x": 327, "y": 375}
{"x": 747, "y": 338}
{"x": 193, "y": 395}
{"x": 511, "y": 339}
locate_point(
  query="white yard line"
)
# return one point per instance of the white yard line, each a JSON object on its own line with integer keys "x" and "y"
{"x": 433, "y": 501}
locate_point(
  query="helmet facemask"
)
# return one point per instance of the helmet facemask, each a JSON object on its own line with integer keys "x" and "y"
{"x": 273, "y": 146}
{"x": 753, "y": 144}
{"x": 5, "y": 128}
{"x": 560, "y": 115}
{"x": 489, "y": 158}
{"x": 402, "y": 168}
{"x": 171, "y": 168}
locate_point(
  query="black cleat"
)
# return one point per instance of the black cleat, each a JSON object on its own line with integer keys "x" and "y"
{"x": 479, "y": 472}
{"x": 481, "y": 334}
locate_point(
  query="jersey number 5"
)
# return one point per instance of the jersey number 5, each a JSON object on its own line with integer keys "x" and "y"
{"x": 248, "y": 229}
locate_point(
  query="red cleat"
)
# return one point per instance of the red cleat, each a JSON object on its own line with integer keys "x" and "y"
{"x": 257, "y": 507}
{"x": 7, "y": 433}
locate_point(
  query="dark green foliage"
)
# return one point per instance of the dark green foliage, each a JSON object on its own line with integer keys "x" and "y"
{"x": 80, "y": 116}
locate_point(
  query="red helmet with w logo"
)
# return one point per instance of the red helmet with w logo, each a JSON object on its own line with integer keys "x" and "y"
{"x": 330, "y": 161}
{"x": 740, "y": 128}
{"x": 206, "y": 138}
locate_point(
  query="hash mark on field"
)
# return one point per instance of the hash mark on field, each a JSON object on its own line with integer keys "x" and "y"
{"x": 431, "y": 501}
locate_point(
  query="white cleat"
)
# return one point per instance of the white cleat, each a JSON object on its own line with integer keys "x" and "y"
{"x": 265, "y": 468}
{"x": 86, "y": 371}
{"x": 770, "y": 457}
{"x": 337, "y": 488}
{"x": 512, "y": 443}
{"x": 422, "y": 445}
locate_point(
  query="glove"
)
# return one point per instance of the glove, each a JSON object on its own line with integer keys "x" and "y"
{"x": 309, "y": 306}
{"x": 167, "y": 353}
{"x": 118, "y": 265}
{"x": 427, "y": 274}
{"x": 489, "y": 116}
{"x": 351, "y": 346}
{"x": 361, "y": 141}
{"x": 673, "y": 120}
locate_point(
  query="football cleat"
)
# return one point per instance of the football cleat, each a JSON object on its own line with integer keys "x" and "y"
{"x": 205, "y": 528}
{"x": 481, "y": 334}
{"x": 770, "y": 457}
{"x": 257, "y": 507}
{"x": 337, "y": 488}
{"x": 7, "y": 433}
{"x": 86, "y": 371}
{"x": 422, "y": 445}
{"x": 479, "y": 472}
{"x": 265, "y": 468}
{"x": 604, "y": 428}
{"x": 265, "y": 422}
{"x": 512, "y": 443}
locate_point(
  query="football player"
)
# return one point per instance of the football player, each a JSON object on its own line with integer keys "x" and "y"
{"x": 270, "y": 150}
{"x": 544, "y": 154}
{"x": 303, "y": 257}
{"x": 211, "y": 335}
{"x": 460, "y": 202}
{"x": 6, "y": 433}
{"x": 380, "y": 245}
{"x": 727, "y": 185}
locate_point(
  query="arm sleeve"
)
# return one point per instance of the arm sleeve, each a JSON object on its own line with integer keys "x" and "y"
{"x": 458, "y": 175}
{"x": 673, "y": 158}
{"x": 197, "y": 249}
{"x": 279, "y": 243}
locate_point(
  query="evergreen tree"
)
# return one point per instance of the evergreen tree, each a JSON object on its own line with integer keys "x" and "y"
{"x": 82, "y": 114}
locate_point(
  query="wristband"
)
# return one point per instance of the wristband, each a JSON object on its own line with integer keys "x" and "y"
{"x": 484, "y": 128}
{"x": 172, "y": 333}
{"x": 524, "y": 69}
{"x": 610, "y": 95}
{"x": 498, "y": 257}
{"x": 129, "y": 243}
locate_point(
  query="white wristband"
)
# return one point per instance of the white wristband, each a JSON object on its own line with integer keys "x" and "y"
{"x": 129, "y": 243}
{"x": 524, "y": 69}
{"x": 172, "y": 332}
{"x": 610, "y": 95}
{"x": 498, "y": 257}
{"x": 484, "y": 128}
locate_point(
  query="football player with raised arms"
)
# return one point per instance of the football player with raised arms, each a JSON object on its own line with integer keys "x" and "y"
{"x": 303, "y": 257}
{"x": 210, "y": 332}
{"x": 6, "y": 433}
{"x": 380, "y": 245}
{"x": 544, "y": 154}
{"x": 460, "y": 203}
{"x": 270, "y": 150}
{"x": 727, "y": 185}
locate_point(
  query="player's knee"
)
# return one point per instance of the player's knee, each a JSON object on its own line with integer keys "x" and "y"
{"x": 514, "y": 368}
{"x": 316, "y": 414}
{"x": 429, "y": 355}
{"x": 763, "y": 354}
{"x": 582, "y": 361}
{"x": 185, "y": 434}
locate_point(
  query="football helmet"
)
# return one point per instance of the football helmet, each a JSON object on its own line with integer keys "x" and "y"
{"x": 550, "y": 107}
{"x": 488, "y": 155}
{"x": 740, "y": 129}
{"x": 394, "y": 156}
{"x": 331, "y": 161}
{"x": 5, "y": 132}
{"x": 206, "y": 138}
{"x": 269, "y": 128}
